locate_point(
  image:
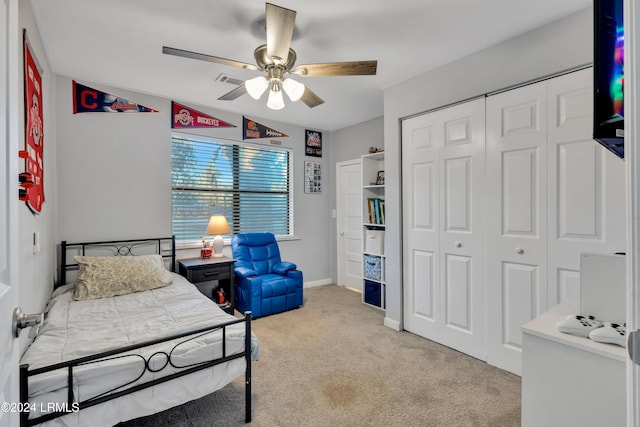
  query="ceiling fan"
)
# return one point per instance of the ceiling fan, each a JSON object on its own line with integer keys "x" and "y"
{"x": 277, "y": 59}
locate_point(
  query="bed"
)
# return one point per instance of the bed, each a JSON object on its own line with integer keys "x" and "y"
{"x": 131, "y": 354}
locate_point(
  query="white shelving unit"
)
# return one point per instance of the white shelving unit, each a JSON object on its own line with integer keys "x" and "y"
{"x": 373, "y": 230}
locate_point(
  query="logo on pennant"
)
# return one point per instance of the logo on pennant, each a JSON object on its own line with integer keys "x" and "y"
{"x": 254, "y": 130}
{"x": 89, "y": 100}
{"x": 185, "y": 117}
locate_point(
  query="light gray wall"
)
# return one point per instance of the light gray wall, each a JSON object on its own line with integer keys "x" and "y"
{"x": 114, "y": 178}
{"x": 348, "y": 144}
{"x": 108, "y": 175}
{"x": 354, "y": 141}
{"x": 37, "y": 270}
{"x": 555, "y": 47}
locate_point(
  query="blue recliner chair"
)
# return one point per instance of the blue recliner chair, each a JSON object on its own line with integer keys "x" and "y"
{"x": 263, "y": 283}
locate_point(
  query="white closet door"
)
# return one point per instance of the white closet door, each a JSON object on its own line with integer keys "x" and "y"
{"x": 444, "y": 253}
{"x": 422, "y": 136}
{"x": 586, "y": 187}
{"x": 517, "y": 222}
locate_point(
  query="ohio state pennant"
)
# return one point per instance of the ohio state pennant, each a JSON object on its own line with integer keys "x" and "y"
{"x": 31, "y": 189}
{"x": 185, "y": 117}
{"x": 253, "y": 130}
{"x": 89, "y": 100}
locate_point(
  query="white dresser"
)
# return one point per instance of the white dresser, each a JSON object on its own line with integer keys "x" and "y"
{"x": 573, "y": 381}
{"x": 568, "y": 380}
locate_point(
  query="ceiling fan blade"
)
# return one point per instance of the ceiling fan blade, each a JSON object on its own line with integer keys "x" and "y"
{"x": 210, "y": 58}
{"x": 235, "y": 93}
{"x": 310, "y": 98}
{"x": 279, "y": 23}
{"x": 350, "y": 68}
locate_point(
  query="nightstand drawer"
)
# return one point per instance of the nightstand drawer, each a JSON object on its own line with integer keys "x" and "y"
{"x": 209, "y": 273}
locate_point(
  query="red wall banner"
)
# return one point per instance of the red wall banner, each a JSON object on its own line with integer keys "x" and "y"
{"x": 186, "y": 117}
{"x": 32, "y": 181}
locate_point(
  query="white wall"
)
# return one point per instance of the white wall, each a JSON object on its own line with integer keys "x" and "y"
{"x": 348, "y": 144}
{"x": 555, "y": 47}
{"x": 37, "y": 271}
{"x": 114, "y": 179}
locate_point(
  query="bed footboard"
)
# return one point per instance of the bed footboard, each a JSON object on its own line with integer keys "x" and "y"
{"x": 129, "y": 388}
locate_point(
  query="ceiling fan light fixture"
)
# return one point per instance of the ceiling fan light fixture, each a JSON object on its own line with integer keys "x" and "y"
{"x": 275, "y": 100}
{"x": 293, "y": 88}
{"x": 256, "y": 86}
{"x": 277, "y": 58}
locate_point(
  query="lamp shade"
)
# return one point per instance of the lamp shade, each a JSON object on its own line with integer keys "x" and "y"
{"x": 275, "y": 100}
{"x": 294, "y": 89}
{"x": 256, "y": 86}
{"x": 218, "y": 225}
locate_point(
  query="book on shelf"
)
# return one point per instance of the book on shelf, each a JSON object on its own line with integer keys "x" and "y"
{"x": 375, "y": 210}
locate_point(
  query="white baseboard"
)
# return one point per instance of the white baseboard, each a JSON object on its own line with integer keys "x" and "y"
{"x": 317, "y": 283}
{"x": 393, "y": 324}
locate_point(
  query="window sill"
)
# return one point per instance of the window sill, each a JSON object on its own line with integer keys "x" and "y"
{"x": 227, "y": 242}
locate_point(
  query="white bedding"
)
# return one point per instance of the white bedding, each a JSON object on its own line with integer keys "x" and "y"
{"x": 74, "y": 329}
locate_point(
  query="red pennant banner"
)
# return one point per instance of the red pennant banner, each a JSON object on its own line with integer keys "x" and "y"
{"x": 89, "y": 100}
{"x": 254, "y": 130}
{"x": 185, "y": 117}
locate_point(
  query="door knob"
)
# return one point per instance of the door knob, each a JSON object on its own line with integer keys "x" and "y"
{"x": 458, "y": 244}
{"x": 519, "y": 251}
{"x": 22, "y": 321}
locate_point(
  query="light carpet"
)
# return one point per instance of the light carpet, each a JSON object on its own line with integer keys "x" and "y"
{"x": 333, "y": 363}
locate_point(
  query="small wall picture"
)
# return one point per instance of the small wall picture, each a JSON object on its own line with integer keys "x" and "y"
{"x": 313, "y": 143}
{"x": 312, "y": 177}
{"x": 380, "y": 178}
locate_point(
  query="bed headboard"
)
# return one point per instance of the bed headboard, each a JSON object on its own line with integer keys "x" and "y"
{"x": 163, "y": 246}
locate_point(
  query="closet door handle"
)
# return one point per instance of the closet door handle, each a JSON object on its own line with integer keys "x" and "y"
{"x": 458, "y": 244}
{"x": 519, "y": 251}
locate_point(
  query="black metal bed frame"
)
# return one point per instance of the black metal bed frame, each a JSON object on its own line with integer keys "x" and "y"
{"x": 126, "y": 248}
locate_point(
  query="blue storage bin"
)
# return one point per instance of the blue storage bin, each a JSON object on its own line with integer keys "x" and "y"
{"x": 373, "y": 267}
{"x": 372, "y": 293}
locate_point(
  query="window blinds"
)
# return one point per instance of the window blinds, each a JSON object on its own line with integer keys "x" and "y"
{"x": 249, "y": 185}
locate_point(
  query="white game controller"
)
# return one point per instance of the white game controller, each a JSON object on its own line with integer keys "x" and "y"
{"x": 579, "y": 325}
{"x": 610, "y": 333}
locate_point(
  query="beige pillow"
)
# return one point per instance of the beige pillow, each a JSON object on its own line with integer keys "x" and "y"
{"x": 101, "y": 277}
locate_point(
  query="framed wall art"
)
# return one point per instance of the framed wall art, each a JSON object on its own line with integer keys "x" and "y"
{"x": 313, "y": 143}
{"x": 312, "y": 177}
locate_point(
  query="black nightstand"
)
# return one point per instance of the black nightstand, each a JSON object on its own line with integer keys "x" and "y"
{"x": 198, "y": 270}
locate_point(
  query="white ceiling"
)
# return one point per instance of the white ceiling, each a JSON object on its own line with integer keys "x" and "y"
{"x": 119, "y": 43}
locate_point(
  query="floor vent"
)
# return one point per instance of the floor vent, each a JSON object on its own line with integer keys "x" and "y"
{"x": 228, "y": 79}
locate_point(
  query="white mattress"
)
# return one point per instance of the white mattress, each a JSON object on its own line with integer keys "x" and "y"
{"x": 74, "y": 329}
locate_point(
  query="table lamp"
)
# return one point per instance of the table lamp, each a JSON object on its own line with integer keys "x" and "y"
{"x": 217, "y": 226}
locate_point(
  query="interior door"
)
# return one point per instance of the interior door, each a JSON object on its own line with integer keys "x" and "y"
{"x": 8, "y": 165}
{"x": 443, "y": 231}
{"x": 349, "y": 223}
{"x": 422, "y": 136}
{"x": 586, "y": 198}
{"x": 517, "y": 224}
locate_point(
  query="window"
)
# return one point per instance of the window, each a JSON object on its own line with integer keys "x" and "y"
{"x": 249, "y": 184}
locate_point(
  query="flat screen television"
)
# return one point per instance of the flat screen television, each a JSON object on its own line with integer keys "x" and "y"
{"x": 608, "y": 75}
